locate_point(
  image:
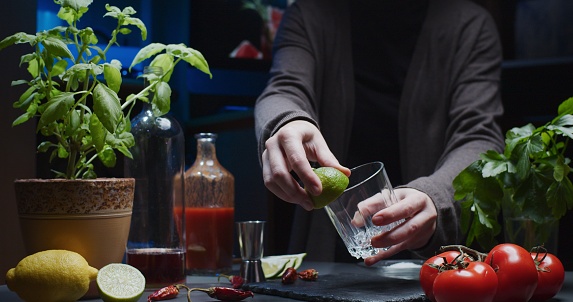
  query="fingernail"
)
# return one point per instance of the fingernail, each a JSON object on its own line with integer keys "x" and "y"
{"x": 377, "y": 220}
{"x": 315, "y": 190}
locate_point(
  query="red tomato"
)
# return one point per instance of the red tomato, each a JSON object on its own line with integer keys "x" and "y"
{"x": 475, "y": 283}
{"x": 550, "y": 276}
{"x": 516, "y": 272}
{"x": 430, "y": 270}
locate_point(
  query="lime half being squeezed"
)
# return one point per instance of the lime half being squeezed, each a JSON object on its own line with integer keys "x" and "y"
{"x": 334, "y": 182}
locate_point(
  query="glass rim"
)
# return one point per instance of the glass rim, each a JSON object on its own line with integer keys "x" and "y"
{"x": 379, "y": 170}
{"x": 205, "y": 135}
{"x": 251, "y": 221}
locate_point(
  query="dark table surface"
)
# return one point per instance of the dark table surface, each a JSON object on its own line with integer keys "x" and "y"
{"x": 388, "y": 281}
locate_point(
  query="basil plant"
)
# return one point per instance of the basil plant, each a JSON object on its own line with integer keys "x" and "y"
{"x": 530, "y": 178}
{"x": 73, "y": 88}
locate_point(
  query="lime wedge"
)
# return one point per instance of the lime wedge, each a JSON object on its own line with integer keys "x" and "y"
{"x": 297, "y": 260}
{"x": 118, "y": 282}
{"x": 274, "y": 266}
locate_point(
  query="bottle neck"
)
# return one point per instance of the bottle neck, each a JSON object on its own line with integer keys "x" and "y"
{"x": 206, "y": 152}
{"x": 147, "y": 110}
{"x": 153, "y": 71}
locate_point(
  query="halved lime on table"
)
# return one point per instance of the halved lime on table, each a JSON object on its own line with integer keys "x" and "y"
{"x": 274, "y": 266}
{"x": 118, "y": 282}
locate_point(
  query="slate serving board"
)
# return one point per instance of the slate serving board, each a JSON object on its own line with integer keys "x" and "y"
{"x": 344, "y": 288}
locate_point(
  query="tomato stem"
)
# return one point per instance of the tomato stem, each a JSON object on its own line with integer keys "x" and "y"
{"x": 476, "y": 255}
{"x": 540, "y": 250}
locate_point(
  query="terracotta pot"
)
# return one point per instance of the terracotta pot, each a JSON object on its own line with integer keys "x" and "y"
{"x": 91, "y": 217}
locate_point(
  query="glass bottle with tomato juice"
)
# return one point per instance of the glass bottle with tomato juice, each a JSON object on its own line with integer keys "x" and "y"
{"x": 209, "y": 211}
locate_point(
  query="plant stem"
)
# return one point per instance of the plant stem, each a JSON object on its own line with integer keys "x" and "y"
{"x": 138, "y": 95}
{"x": 71, "y": 168}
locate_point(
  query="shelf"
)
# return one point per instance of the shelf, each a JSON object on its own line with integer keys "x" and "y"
{"x": 232, "y": 118}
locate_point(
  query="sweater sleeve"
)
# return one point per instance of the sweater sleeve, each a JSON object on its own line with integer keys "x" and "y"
{"x": 311, "y": 77}
{"x": 289, "y": 92}
{"x": 473, "y": 112}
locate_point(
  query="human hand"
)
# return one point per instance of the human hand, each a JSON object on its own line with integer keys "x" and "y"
{"x": 420, "y": 216}
{"x": 290, "y": 149}
{"x": 372, "y": 205}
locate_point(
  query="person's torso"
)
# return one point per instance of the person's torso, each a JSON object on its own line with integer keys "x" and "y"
{"x": 384, "y": 35}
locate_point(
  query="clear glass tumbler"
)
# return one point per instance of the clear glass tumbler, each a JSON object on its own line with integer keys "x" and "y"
{"x": 369, "y": 191}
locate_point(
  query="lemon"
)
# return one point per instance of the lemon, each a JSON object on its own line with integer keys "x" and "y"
{"x": 118, "y": 282}
{"x": 51, "y": 275}
{"x": 274, "y": 266}
{"x": 333, "y": 182}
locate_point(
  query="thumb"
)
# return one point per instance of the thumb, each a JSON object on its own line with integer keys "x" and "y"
{"x": 333, "y": 162}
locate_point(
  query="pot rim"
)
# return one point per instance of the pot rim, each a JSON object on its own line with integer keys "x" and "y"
{"x": 99, "y": 179}
{"x": 64, "y": 196}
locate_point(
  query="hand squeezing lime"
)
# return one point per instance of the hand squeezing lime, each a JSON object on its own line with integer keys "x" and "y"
{"x": 334, "y": 182}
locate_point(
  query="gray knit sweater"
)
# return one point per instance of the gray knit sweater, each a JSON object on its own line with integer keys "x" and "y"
{"x": 448, "y": 110}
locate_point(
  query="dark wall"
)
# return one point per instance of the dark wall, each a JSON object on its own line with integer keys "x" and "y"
{"x": 18, "y": 144}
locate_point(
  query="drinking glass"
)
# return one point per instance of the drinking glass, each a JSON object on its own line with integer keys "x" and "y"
{"x": 369, "y": 191}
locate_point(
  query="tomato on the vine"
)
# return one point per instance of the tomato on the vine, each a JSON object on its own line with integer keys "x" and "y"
{"x": 550, "y": 273}
{"x": 430, "y": 270}
{"x": 516, "y": 272}
{"x": 477, "y": 282}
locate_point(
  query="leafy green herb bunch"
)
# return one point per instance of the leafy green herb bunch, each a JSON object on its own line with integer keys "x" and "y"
{"x": 74, "y": 86}
{"x": 530, "y": 178}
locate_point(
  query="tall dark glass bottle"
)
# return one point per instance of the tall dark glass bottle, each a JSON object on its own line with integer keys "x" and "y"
{"x": 156, "y": 244}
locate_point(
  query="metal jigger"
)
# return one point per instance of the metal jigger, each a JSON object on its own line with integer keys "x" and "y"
{"x": 251, "y": 245}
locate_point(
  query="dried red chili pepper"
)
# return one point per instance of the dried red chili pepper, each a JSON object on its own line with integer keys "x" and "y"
{"x": 289, "y": 276}
{"x": 308, "y": 275}
{"x": 165, "y": 293}
{"x": 236, "y": 281}
{"x": 225, "y": 293}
